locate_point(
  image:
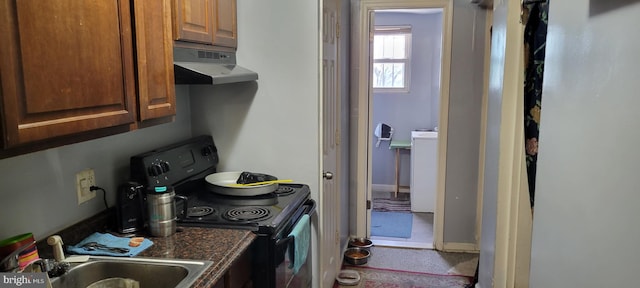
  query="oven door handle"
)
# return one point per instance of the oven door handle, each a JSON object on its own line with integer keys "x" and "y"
{"x": 282, "y": 243}
{"x": 309, "y": 209}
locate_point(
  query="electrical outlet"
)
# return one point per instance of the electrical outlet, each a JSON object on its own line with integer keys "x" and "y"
{"x": 84, "y": 180}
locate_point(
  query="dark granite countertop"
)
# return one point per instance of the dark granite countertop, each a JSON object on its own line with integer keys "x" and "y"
{"x": 221, "y": 246}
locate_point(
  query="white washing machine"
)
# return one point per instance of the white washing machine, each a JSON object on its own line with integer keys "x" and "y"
{"x": 424, "y": 168}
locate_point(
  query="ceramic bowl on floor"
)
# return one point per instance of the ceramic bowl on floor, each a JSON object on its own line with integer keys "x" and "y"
{"x": 357, "y": 256}
{"x": 363, "y": 243}
{"x": 348, "y": 277}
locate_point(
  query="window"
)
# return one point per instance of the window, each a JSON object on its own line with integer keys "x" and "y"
{"x": 391, "y": 58}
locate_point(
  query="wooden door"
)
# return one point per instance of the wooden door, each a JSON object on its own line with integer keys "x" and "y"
{"x": 192, "y": 21}
{"x": 225, "y": 23}
{"x": 330, "y": 257}
{"x": 154, "y": 50}
{"x": 65, "y": 67}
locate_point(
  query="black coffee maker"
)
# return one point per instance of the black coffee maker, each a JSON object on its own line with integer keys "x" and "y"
{"x": 130, "y": 207}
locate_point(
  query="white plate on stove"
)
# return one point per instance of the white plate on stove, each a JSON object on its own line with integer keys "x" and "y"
{"x": 225, "y": 183}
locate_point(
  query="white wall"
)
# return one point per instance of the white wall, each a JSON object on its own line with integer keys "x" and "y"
{"x": 271, "y": 126}
{"x": 465, "y": 101}
{"x": 586, "y": 217}
{"x": 38, "y": 189}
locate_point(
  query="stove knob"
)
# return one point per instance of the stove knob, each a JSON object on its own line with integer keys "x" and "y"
{"x": 208, "y": 150}
{"x": 165, "y": 167}
{"x": 155, "y": 170}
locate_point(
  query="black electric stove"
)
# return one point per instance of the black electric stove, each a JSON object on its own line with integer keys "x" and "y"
{"x": 184, "y": 166}
{"x": 272, "y": 217}
{"x": 262, "y": 213}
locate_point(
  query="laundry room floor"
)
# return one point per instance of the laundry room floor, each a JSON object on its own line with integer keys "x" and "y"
{"x": 421, "y": 234}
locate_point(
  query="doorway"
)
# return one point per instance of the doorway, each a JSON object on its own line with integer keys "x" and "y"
{"x": 362, "y": 145}
{"x": 406, "y": 64}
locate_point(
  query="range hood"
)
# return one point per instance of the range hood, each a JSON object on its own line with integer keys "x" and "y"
{"x": 198, "y": 66}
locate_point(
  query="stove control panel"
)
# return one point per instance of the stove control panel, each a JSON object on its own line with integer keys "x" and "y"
{"x": 171, "y": 164}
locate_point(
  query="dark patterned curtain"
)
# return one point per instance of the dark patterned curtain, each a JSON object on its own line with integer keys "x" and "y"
{"x": 535, "y": 40}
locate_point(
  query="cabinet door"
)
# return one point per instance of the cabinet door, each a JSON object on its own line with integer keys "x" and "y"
{"x": 192, "y": 21}
{"x": 219, "y": 284}
{"x": 239, "y": 274}
{"x": 66, "y": 67}
{"x": 154, "y": 54}
{"x": 225, "y": 23}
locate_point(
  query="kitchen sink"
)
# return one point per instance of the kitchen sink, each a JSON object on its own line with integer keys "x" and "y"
{"x": 149, "y": 272}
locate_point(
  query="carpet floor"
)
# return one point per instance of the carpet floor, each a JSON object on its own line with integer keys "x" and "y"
{"x": 387, "y": 278}
{"x": 420, "y": 264}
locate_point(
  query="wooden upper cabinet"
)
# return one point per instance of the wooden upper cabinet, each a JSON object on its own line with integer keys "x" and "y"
{"x": 66, "y": 67}
{"x": 225, "y": 23}
{"x": 154, "y": 50}
{"x": 192, "y": 21}
{"x": 211, "y": 22}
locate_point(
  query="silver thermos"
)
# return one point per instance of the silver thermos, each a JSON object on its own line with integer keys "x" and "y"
{"x": 161, "y": 210}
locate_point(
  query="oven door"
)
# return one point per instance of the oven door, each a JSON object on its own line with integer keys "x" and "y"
{"x": 284, "y": 275}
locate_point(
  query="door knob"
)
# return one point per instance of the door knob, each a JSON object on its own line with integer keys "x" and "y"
{"x": 327, "y": 175}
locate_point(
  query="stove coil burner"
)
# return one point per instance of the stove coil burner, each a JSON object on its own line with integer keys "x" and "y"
{"x": 284, "y": 191}
{"x": 246, "y": 214}
{"x": 199, "y": 211}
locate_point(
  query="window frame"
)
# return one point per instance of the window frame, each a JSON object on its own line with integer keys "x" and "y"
{"x": 405, "y": 30}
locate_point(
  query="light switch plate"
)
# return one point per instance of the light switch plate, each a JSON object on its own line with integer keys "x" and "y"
{"x": 84, "y": 180}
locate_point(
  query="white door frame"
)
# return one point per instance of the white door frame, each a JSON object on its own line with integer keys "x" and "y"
{"x": 511, "y": 249}
{"x": 514, "y": 219}
{"x": 483, "y": 126}
{"x": 361, "y": 108}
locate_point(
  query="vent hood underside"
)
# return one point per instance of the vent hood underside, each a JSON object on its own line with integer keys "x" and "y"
{"x": 196, "y": 66}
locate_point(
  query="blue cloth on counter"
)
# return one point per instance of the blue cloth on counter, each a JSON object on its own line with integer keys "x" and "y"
{"x": 110, "y": 241}
{"x": 301, "y": 234}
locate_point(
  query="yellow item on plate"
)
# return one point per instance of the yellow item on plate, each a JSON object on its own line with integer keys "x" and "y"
{"x": 262, "y": 183}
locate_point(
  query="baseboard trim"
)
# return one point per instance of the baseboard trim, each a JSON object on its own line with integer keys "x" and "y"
{"x": 382, "y": 188}
{"x": 460, "y": 247}
{"x": 400, "y": 244}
